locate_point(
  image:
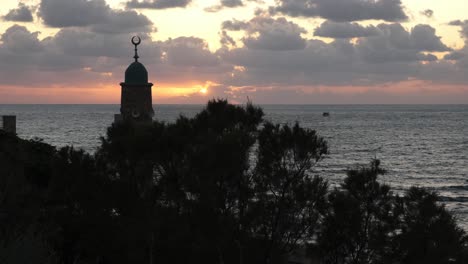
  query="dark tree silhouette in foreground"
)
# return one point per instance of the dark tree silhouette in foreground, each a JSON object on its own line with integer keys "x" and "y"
{"x": 366, "y": 223}
{"x": 361, "y": 220}
{"x": 235, "y": 191}
{"x": 429, "y": 233}
{"x": 222, "y": 187}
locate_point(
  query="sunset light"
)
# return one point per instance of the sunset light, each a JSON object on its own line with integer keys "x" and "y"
{"x": 234, "y": 131}
{"x": 296, "y": 46}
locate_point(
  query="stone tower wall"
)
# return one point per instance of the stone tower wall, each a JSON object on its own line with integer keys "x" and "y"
{"x": 136, "y": 102}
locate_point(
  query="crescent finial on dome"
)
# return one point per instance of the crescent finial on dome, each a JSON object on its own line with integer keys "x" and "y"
{"x": 136, "y": 41}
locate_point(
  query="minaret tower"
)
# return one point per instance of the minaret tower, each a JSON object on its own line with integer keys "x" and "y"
{"x": 136, "y": 102}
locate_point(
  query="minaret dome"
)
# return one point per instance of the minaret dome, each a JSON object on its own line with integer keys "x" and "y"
{"x": 136, "y": 73}
{"x": 136, "y": 100}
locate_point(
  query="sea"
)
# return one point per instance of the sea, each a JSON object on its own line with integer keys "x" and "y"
{"x": 419, "y": 145}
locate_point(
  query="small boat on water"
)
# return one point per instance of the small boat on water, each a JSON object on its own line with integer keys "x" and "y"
{"x": 326, "y": 114}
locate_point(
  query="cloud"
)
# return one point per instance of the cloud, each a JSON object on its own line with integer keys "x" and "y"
{"x": 456, "y": 23}
{"x": 188, "y": 52}
{"x": 390, "y": 41}
{"x": 463, "y": 25}
{"x": 187, "y": 61}
{"x": 25, "y": 60}
{"x": 318, "y": 62}
{"x": 95, "y": 14}
{"x": 21, "y": 14}
{"x": 394, "y": 43}
{"x": 231, "y": 3}
{"x": 343, "y": 10}
{"x": 423, "y": 37}
{"x": 17, "y": 39}
{"x": 390, "y": 54}
{"x": 79, "y": 56}
{"x": 272, "y": 56}
{"x": 223, "y": 4}
{"x": 84, "y": 43}
{"x": 332, "y": 29}
{"x": 267, "y": 33}
{"x": 460, "y": 55}
{"x": 274, "y": 51}
{"x": 428, "y": 13}
{"x": 61, "y": 59}
{"x": 456, "y": 55}
{"x": 157, "y": 4}
{"x": 69, "y": 13}
{"x": 234, "y": 25}
{"x": 127, "y": 21}
{"x": 226, "y": 40}
{"x": 274, "y": 34}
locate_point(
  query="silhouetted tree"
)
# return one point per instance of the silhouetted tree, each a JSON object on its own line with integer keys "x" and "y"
{"x": 362, "y": 219}
{"x": 368, "y": 224}
{"x": 221, "y": 187}
{"x": 240, "y": 193}
{"x": 428, "y": 232}
{"x": 52, "y": 199}
{"x": 79, "y": 216}
{"x": 25, "y": 170}
{"x": 289, "y": 201}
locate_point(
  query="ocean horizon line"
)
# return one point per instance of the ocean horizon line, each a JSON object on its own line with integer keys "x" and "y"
{"x": 260, "y": 104}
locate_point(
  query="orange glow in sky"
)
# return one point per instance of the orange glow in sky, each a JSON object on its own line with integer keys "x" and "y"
{"x": 191, "y": 57}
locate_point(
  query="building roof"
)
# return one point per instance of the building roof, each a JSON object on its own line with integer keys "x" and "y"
{"x": 136, "y": 73}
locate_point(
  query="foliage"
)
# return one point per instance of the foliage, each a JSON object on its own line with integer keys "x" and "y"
{"x": 366, "y": 223}
{"x": 429, "y": 233}
{"x": 211, "y": 176}
{"x": 222, "y": 187}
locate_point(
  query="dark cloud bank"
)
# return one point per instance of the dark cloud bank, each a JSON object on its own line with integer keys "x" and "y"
{"x": 95, "y": 13}
{"x": 343, "y": 10}
{"x": 330, "y": 29}
{"x": 157, "y": 4}
{"x": 22, "y": 13}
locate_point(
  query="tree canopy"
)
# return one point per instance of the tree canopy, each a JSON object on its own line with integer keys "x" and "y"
{"x": 225, "y": 186}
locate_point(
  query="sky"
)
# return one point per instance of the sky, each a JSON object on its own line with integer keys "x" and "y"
{"x": 265, "y": 51}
